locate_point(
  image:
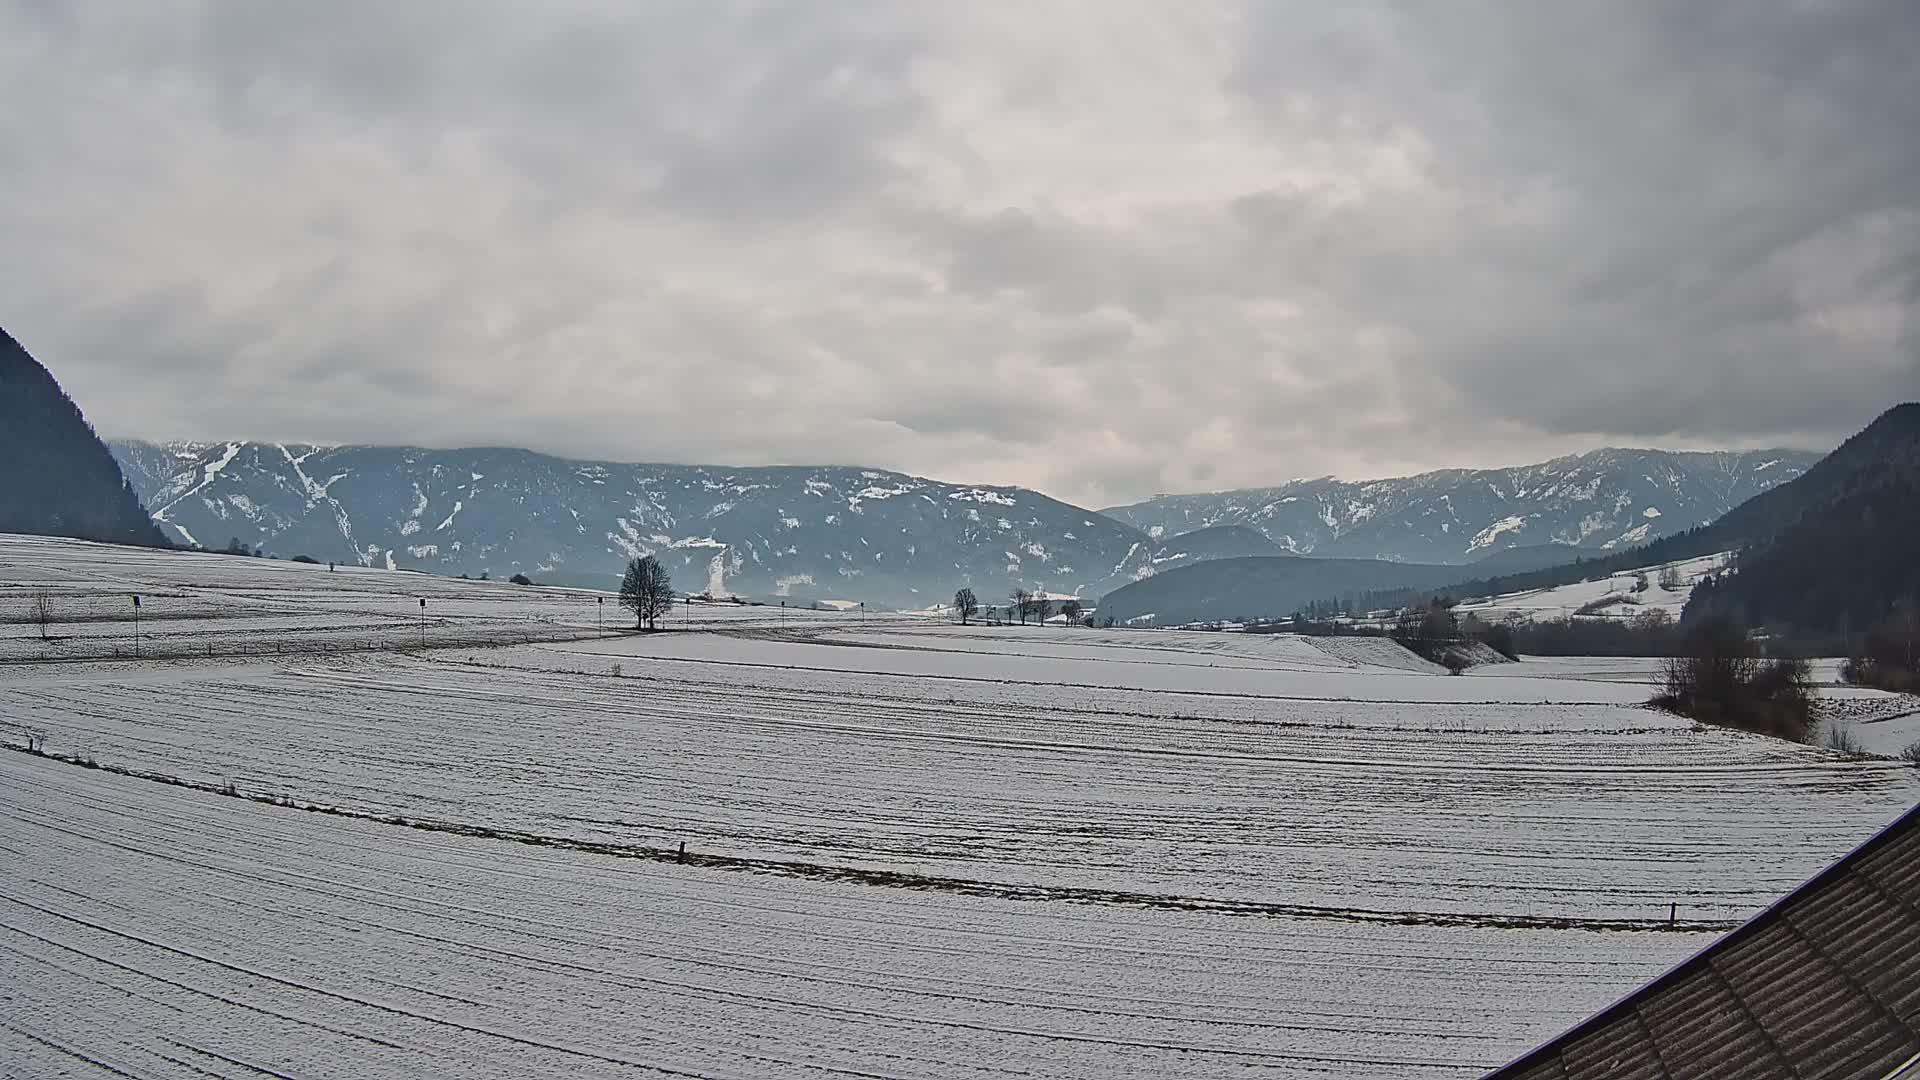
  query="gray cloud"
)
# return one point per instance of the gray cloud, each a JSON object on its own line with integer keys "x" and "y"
{"x": 1098, "y": 248}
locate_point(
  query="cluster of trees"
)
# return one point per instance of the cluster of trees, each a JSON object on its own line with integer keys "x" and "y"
{"x": 1719, "y": 677}
{"x": 1436, "y": 633}
{"x": 1650, "y": 633}
{"x": 1021, "y": 604}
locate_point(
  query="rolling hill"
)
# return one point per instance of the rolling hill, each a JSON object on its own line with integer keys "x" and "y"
{"x": 1269, "y": 586}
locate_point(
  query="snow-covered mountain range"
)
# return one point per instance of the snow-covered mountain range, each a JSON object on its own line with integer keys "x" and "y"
{"x": 802, "y": 532}
{"x": 1603, "y": 500}
{"x": 834, "y": 532}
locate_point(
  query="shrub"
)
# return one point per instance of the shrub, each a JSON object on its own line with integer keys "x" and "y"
{"x": 308, "y": 559}
{"x": 520, "y": 579}
{"x": 1837, "y": 736}
{"x": 1455, "y": 662}
{"x": 1911, "y": 755}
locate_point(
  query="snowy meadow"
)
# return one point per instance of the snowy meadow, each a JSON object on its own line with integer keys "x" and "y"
{"x": 304, "y": 826}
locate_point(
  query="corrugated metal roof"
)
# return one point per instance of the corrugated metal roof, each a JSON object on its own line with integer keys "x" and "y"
{"x": 1823, "y": 984}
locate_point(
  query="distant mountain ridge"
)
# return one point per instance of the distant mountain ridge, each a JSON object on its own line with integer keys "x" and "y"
{"x": 804, "y": 532}
{"x": 827, "y": 532}
{"x": 58, "y": 478}
{"x": 1829, "y": 550}
{"x": 1598, "y": 501}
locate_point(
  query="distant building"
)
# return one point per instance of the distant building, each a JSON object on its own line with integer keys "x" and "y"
{"x": 1825, "y": 983}
{"x": 1053, "y": 605}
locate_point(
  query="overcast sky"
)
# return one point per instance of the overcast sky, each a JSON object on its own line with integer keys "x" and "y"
{"x": 1103, "y": 248}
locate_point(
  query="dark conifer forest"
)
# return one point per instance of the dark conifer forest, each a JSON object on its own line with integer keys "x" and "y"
{"x": 56, "y": 476}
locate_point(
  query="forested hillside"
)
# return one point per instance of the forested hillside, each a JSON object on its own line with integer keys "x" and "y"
{"x": 58, "y": 477}
{"x": 1839, "y": 549}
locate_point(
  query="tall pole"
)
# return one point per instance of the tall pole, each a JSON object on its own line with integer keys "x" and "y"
{"x": 601, "y": 607}
{"x": 136, "y": 624}
{"x": 423, "y": 622}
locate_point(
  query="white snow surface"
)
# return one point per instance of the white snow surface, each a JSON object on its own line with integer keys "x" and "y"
{"x": 917, "y": 849}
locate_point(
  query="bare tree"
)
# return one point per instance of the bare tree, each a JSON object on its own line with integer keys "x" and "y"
{"x": 1071, "y": 609}
{"x": 966, "y": 604}
{"x": 1670, "y": 578}
{"x": 43, "y": 613}
{"x": 646, "y": 591}
{"x": 1023, "y": 600}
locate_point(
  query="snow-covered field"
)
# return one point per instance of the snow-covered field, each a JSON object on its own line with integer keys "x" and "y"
{"x": 912, "y": 849}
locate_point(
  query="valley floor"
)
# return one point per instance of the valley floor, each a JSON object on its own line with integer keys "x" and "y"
{"x": 912, "y": 849}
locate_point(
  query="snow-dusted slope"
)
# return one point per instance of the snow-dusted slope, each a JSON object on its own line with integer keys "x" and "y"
{"x": 1615, "y": 596}
{"x": 826, "y": 532}
{"x": 1601, "y": 500}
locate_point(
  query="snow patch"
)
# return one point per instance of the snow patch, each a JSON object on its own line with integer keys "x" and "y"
{"x": 1486, "y": 537}
{"x": 982, "y": 495}
{"x": 882, "y": 493}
